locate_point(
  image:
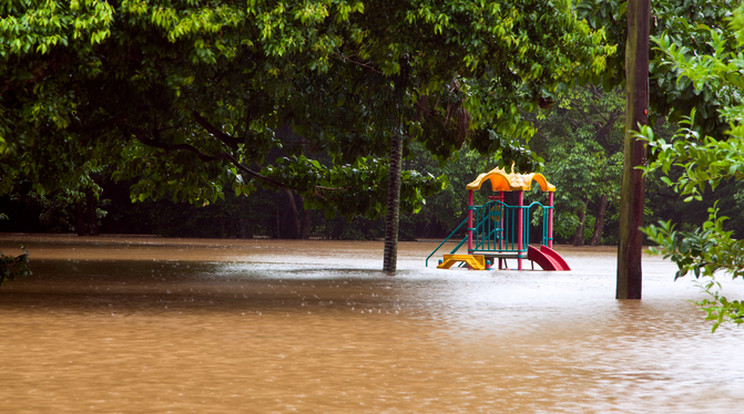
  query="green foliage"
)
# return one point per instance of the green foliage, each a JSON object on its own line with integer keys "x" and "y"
{"x": 720, "y": 309}
{"x": 703, "y": 252}
{"x": 684, "y": 24}
{"x": 32, "y": 27}
{"x": 707, "y": 161}
{"x": 12, "y": 268}
{"x": 445, "y": 209}
{"x": 581, "y": 141}
{"x": 359, "y": 187}
{"x": 693, "y": 161}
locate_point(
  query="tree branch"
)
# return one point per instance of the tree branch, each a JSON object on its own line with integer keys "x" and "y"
{"x": 144, "y": 138}
{"x": 364, "y": 65}
{"x": 602, "y": 132}
{"x": 227, "y": 139}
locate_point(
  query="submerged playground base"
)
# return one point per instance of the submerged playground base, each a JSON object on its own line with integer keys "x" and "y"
{"x": 545, "y": 257}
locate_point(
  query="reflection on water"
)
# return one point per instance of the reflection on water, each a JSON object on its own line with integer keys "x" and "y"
{"x": 164, "y": 325}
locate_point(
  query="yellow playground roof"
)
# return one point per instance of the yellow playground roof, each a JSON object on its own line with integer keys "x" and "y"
{"x": 503, "y": 181}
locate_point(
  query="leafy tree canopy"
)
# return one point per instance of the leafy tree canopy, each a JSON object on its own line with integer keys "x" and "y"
{"x": 187, "y": 97}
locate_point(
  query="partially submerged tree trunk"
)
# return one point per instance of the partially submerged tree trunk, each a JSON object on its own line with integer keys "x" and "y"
{"x": 278, "y": 224}
{"x": 578, "y": 238}
{"x": 306, "y": 222}
{"x": 295, "y": 213}
{"x": 86, "y": 217}
{"x": 629, "y": 273}
{"x": 599, "y": 223}
{"x": 294, "y": 222}
{"x": 392, "y": 218}
{"x": 392, "y": 215}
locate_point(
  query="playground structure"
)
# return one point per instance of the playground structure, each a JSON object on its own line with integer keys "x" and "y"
{"x": 497, "y": 230}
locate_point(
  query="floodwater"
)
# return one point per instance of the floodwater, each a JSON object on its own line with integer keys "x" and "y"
{"x": 136, "y": 324}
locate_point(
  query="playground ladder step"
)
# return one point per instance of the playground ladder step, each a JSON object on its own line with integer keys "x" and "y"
{"x": 474, "y": 261}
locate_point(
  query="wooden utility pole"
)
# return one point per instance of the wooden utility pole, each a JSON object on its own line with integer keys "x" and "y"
{"x": 629, "y": 275}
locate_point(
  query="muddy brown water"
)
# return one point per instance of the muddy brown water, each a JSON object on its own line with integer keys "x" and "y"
{"x": 151, "y": 325}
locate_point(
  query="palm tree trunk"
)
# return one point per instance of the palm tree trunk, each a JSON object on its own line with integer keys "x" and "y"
{"x": 390, "y": 259}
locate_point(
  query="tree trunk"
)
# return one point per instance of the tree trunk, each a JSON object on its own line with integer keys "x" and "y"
{"x": 629, "y": 274}
{"x": 80, "y": 227}
{"x": 92, "y": 204}
{"x": 245, "y": 230}
{"x": 599, "y": 223}
{"x": 390, "y": 259}
{"x": 392, "y": 218}
{"x": 305, "y": 216}
{"x": 278, "y": 224}
{"x": 295, "y": 214}
{"x": 578, "y": 238}
{"x": 86, "y": 219}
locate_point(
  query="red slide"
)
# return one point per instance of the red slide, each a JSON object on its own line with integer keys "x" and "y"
{"x": 547, "y": 258}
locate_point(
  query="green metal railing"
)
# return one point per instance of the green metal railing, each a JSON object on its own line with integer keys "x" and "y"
{"x": 495, "y": 227}
{"x": 447, "y": 239}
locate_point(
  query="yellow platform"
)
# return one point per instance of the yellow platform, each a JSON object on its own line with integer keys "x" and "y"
{"x": 474, "y": 261}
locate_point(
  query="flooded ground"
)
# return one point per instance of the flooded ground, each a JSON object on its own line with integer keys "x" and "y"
{"x": 138, "y": 324}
